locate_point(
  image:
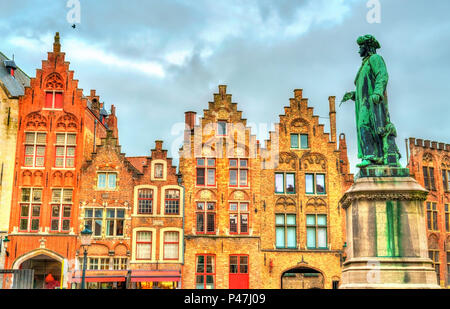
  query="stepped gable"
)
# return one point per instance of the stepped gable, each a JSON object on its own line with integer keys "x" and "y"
{"x": 109, "y": 145}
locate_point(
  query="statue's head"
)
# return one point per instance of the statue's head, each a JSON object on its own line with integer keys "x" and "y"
{"x": 368, "y": 45}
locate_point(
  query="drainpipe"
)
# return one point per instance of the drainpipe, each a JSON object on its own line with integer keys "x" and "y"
{"x": 95, "y": 132}
{"x": 180, "y": 180}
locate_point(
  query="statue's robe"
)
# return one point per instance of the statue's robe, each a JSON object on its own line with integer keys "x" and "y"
{"x": 372, "y": 119}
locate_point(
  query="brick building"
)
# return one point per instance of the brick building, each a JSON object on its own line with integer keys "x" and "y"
{"x": 302, "y": 225}
{"x": 156, "y": 222}
{"x": 429, "y": 164}
{"x": 221, "y": 173}
{"x": 106, "y": 203}
{"x": 57, "y": 129}
{"x": 12, "y": 85}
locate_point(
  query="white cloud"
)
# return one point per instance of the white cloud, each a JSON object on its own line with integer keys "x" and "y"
{"x": 79, "y": 50}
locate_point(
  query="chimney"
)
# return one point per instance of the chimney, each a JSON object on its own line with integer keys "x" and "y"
{"x": 158, "y": 145}
{"x": 190, "y": 120}
{"x": 111, "y": 121}
{"x": 56, "y": 44}
{"x": 332, "y": 101}
{"x": 343, "y": 156}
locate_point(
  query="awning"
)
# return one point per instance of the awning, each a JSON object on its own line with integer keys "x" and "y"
{"x": 155, "y": 275}
{"x": 100, "y": 276}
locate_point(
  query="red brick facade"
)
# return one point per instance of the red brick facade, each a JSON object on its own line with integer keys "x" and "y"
{"x": 54, "y": 135}
{"x": 429, "y": 164}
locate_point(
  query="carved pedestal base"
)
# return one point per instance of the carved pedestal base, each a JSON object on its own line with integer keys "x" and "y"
{"x": 386, "y": 236}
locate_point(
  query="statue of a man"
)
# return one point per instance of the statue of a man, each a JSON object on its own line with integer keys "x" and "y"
{"x": 376, "y": 133}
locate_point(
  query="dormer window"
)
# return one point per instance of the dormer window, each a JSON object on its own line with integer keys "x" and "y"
{"x": 10, "y": 66}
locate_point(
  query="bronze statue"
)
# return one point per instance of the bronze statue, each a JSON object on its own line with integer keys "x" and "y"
{"x": 376, "y": 133}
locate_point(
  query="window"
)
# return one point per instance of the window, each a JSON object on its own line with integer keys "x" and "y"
{"x": 120, "y": 263}
{"x": 171, "y": 245}
{"x": 114, "y": 221}
{"x": 447, "y": 215}
{"x": 30, "y": 209}
{"x": 205, "y": 272}
{"x": 221, "y": 128}
{"x": 35, "y": 149}
{"x": 285, "y": 183}
{"x": 106, "y": 181}
{"x": 53, "y": 99}
{"x": 286, "y": 231}
{"x": 159, "y": 169}
{"x": 299, "y": 140}
{"x": 238, "y": 172}
{"x": 144, "y": 245}
{"x": 61, "y": 210}
{"x": 145, "y": 201}
{"x": 93, "y": 218}
{"x": 65, "y": 150}
{"x": 315, "y": 184}
{"x": 239, "y": 218}
{"x": 206, "y": 172}
{"x": 428, "y": 177}
{"x": 206, "y": 217}
{"x": 104, "y": 263}
{"x": 172, "y": 202}
{"x": 448, "y": 262}
{"x": 92, "y": 264}
{"x": 432, "y": 216}
{"x": 316, "y": 232}
{"x": 434, "y": 256}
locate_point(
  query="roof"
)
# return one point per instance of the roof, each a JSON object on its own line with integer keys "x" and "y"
{"x": 15, "y": 86}
{"x": 138, "y": 162}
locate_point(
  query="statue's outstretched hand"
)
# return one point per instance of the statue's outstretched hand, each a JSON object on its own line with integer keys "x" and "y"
{"x": 374, "y": 99}
{"x": 348, "y": 96}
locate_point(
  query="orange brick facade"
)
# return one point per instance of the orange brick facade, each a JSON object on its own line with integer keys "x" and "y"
{"x": 429, "y": 164}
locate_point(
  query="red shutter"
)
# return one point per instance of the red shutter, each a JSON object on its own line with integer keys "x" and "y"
{"x": 49, "y": 100}
{"x": 58, "y": 100}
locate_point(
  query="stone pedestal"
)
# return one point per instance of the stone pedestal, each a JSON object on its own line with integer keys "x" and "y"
{"x": 386, "y": 233}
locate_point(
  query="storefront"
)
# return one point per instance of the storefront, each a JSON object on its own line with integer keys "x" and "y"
{"x": 155, "y": 279}
{"x": 100, "y": 279}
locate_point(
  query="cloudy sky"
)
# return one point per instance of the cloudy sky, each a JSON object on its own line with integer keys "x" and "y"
{"x": 154, "y": 60}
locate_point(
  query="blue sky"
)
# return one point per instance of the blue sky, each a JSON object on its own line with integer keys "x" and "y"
{"x": 154, "y": 60}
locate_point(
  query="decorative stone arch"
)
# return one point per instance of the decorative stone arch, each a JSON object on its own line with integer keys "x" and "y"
{"x": 206, "y": 195}
{"x": 19, "y": 260}
{"x": 317, "y": 205}
{"x": 445, "y": 162}
{"x": 433, "y": 241}
{"x": 299, "y": 125}
{"x": 303, "y": 266}
{"x": 313, "y": 161}
{"x": 35, "y": 121}
{"x": 289, "y": 158}
{"x": 54, "y": 81}
{"x": 427, "y": 158}
{"x": 67, "y": 122}
{"x": 239, "y": 195}
{"x": 101, "y": 247}
{"x": 285, "y": 202}
{"x": 118, "y": 251}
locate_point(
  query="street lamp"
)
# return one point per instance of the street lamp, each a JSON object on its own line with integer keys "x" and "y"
{"x": 5, "y": 244}
{"x": 85, "y": 243}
